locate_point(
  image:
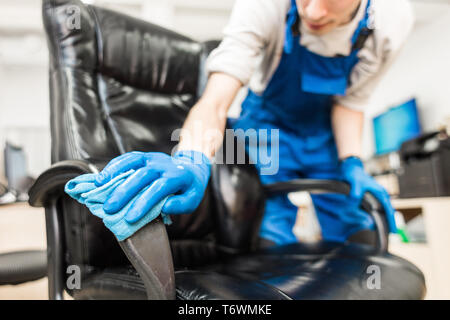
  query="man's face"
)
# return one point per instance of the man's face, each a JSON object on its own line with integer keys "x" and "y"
{"x": 322, "y": 16}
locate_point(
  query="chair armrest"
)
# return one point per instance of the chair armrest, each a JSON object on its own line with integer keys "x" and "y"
{"x": 310, "y": 185}
{"x": 51, "y": 182}
{"x": 369, "y": 203}
{"x": 149, "y": 252}
{"x": 45, "y": 192}
{"x": 153, "y": 262}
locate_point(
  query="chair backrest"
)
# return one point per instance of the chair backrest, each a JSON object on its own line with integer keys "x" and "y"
{"x": 117, "y": 84}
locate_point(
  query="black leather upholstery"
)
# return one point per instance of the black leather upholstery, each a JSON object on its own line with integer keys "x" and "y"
{"x": 208, "y": 285}
{"x": 119, "y": 283}
{"x": 328, "y": 271}
{"x": 120, "y": 84}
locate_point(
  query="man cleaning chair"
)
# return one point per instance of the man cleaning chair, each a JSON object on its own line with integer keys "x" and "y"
{"x": 311, "y": 67}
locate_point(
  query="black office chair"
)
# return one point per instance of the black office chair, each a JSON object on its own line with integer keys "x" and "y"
{"x": 119, "y": 84}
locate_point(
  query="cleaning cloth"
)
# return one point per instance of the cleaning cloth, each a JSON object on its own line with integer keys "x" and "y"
{"x": 84, "y": 190}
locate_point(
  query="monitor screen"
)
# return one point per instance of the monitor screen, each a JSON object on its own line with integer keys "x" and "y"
{"x": 395, "y": 126}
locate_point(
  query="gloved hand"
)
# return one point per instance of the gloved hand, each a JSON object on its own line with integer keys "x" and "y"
{"x": 352, "y": 171}
{"x": 184, "y": 176}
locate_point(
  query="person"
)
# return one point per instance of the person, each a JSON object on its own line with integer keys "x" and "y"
{"x": 311, "y": 67}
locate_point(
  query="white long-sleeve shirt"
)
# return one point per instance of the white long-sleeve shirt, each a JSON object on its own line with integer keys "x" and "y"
{"x": 254, "y": 36}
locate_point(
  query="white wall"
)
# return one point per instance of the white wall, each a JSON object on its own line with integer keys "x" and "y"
{"x": 24, "y": 115}
{"x": 24, "y": 111}
{"x": 422, "y": 70}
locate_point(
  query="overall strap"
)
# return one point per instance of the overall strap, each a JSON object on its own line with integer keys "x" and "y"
{"x": 364, "y": 30}
{"x": 291, "y": 19}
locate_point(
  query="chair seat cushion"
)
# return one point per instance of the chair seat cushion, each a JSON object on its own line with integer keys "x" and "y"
{"x": 329, "y": 271}
{"x": 209, "y": 285}
{"x": 122, "y": 283}
{"x": 298, "y": 271}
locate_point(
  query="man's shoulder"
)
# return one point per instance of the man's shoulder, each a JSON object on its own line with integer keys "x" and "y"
{"x": 270, "y": 8}
{"x": 263, "y": 17}
{"x": 393, "y": 18}
{"x": 281, "y": 4}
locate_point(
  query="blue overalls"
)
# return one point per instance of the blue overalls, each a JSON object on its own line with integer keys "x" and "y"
{"x": 298, "y": 102}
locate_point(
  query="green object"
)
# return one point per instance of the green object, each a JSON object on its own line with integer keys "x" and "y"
{"x": 403, "y": 235}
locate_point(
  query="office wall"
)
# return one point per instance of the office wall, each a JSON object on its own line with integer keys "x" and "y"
{"x": 24, "y": 115}
{"x": 422, "y": 70}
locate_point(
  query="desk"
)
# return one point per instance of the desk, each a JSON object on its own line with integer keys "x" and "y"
{"x": 432, "y": 257}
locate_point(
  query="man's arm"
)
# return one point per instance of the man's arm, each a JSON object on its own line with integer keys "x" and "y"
{"x": 205, "y": 124}
{"x": 347, "y": 128}
{"x": 251, "y": 28}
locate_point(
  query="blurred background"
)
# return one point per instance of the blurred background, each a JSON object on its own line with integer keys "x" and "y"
{"x": 413, "y": 98}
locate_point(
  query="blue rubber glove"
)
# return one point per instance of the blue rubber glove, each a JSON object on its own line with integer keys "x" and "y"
{"x": 352, "y": 171}
{"x": 184, "y": 176}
